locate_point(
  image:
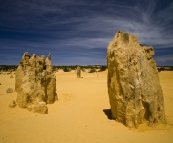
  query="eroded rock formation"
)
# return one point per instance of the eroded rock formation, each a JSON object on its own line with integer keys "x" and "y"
{"x": 78, "y": 71}
{"x": 133, "y": 83}
{"x": 35, "y": 83}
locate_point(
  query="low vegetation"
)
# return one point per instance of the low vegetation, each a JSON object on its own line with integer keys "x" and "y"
{"x": 89, "y": 68}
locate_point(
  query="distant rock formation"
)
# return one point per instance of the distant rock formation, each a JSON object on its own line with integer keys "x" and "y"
{"x": 133, "y": 83}
{"x": 35, "y": 83}
{"x": 78, "y": 70}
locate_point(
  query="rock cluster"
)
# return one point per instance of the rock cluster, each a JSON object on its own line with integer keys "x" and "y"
{"x": 133, "y": 83}
{"x": 35, "y": 83}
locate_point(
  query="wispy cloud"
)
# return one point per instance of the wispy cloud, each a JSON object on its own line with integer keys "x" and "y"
{"x": 43, "y": 26}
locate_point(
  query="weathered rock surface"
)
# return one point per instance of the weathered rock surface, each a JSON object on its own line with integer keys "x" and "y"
{"x": 48, "y": 63}
{"x": 133, "y": 83}
{"x": 39, "y": 107}
{"x": 51, "y": 89}
{"x": 35, "y": 83}
{"x": 19, "y": 74}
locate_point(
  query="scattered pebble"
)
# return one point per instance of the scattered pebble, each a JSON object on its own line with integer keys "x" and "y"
{"x": 12, "y": 104}
{"x": 9, "y": 90}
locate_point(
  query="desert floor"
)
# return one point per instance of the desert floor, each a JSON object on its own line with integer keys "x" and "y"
{"x": 81, "y": 114}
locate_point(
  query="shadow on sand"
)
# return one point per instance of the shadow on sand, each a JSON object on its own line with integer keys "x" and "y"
{"x": 108, "y": 113}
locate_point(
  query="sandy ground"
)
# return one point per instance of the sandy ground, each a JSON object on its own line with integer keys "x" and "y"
{"x": 81, "y": 114}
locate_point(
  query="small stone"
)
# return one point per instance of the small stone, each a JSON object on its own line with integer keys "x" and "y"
{"x": 9, "y": 90}
{"x": 12, "y": 104}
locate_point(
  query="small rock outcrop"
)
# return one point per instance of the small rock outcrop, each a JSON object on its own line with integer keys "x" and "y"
{"x": 12, "y": 104}
{"x": 9, "y": 90}
{"x": 133, "y": 83}
{"x": 35, "y": 83}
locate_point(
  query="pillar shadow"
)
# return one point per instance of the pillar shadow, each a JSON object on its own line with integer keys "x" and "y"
{"x": 108, "y": 113}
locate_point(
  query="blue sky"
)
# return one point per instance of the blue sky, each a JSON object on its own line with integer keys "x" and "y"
{"x": 77, "y": 32}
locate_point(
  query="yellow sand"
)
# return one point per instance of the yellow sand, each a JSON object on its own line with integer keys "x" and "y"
{"x": 79, "y": 114}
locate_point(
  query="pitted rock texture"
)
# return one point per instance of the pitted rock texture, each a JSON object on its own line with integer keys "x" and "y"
{"x": 35, "y": 83}
{"x": 133, "y": 83}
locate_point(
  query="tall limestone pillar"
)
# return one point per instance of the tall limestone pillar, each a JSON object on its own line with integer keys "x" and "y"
{"x": 134, "y": 89}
